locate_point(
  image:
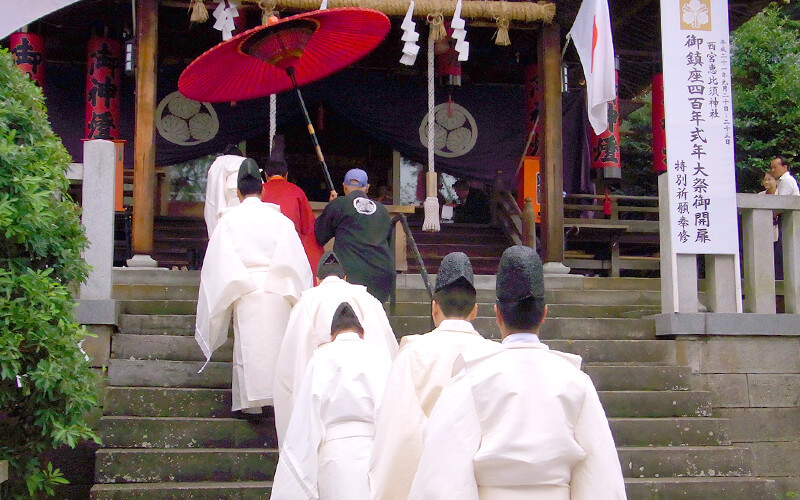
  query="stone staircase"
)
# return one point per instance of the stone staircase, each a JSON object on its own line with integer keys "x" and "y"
{"x": 168, "y": 432}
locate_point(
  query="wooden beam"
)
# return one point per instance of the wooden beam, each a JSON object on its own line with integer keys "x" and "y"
{"x": 144, "y": 153}
{"x": 552, "y": 233}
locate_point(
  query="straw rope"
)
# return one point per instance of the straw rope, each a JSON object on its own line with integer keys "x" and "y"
{"x": 199, "y": 11}
{"x": 470, "y": 9}
{"x": 431, "y": 205}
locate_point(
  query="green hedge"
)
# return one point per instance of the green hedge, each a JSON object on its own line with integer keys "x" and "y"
{"x": 46, "y": 386}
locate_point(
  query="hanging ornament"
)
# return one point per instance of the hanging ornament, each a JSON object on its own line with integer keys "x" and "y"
{"x": 659, "y": 132}
{"x": 459, "y": 33}
{"x": 501, "y": 36}
{"x": 225, "y": 12}
{"x": 410, "y": 37}
{"x": 448, "y": 67}
{"x": 323, "y": 5}
{"x": 199, "y": 11}
{"x": 436, "y": 22}
{"x": 268, "y": 11}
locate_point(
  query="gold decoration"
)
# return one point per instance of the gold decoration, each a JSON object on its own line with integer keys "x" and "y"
{"x": 501, "y": 37}
{"x": 267, "y": 10}
{"x": 199, "y": 12}
{"x": 436, "y": 23}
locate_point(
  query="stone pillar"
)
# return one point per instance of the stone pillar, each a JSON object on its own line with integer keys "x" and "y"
{"x": 723, "y": 284}
{"x": 790, "y": 226}
{"x": 678, "y": 271}
{"x": 759, "y": 270}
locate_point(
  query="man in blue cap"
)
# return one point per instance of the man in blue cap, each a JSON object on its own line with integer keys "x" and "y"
{"x": 522, "y": 421}
{"x": 363, "y": 232}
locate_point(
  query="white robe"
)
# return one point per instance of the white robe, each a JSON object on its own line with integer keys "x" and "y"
{"x": 310, "y": 326}
{"x": 523, "y": 422}
{"x": 326, "y": 451}
{"x": 422, "y": 367}
{"x": 221, "y": 188}
{"x": 255, "y": 266}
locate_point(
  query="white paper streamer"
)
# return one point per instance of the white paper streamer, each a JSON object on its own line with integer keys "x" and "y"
{"x": 460, "y": 33}
{"x": 324, "y": 5}
{"x": 410, "y": 37}
{"x": 224, "y": 13}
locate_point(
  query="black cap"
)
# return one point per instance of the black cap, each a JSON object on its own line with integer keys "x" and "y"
{"x": 520, "y": 275}
{"x": 345, "y": 319}
{"x": 329, "y": 265}
{"x": 248, "y": 168}
{"x": 455, "y": 268}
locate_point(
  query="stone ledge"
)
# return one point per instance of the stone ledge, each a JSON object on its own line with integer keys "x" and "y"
{"x": 3, "y": 470}
{"x": 97, "y": 312}
{"x": 747, "y": 324}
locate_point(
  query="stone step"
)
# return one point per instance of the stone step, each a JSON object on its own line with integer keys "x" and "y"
{"x": 155, "y": 276}
{"x": 677, "y": 431}
{"x": 553, "y": 310}
{"x": 204, "y": 403}
{"x": 553, "y": 328}
{"x": 155, "y": 291}
{"x": 185, "y": 348}
{"x": 186, "y": 432}
{"x": 167, "y": 402}
{"x": 217, "y": 375}
{"x": 167, "y": 347}
{"x": 640, "y": 378}
{"x": 559, "y": 296}
{"x": 656, "y": 403}
{"x": 184, "y": 465}
{"x": 685, "y": 461}
{"x": 205, "y": 490}
{"x": 701, "y": 488}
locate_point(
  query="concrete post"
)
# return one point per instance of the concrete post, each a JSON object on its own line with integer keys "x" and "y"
{"x": 678, "y": 271}
{"x": 759, "y": 271}
{"x": 528, "y": 225}
{"x": 96, "y": 306}
{"x": 790, "y": 226}
{"x": 723, "y": 284}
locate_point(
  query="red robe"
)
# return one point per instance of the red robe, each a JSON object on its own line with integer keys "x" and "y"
{"x": 295, "y": 206}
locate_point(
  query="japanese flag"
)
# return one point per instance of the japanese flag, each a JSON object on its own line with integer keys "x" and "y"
{"x": 591, "y": 34}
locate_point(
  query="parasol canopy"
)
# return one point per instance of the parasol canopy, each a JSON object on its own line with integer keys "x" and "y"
{"x": 255, "y": 63}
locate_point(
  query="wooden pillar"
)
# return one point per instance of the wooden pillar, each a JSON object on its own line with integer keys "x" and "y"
{"x": 552, "y": 232}
{"x": 144, "y": 139}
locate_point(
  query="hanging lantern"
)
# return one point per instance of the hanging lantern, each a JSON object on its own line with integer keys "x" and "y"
{"x": 27, "y": 50}
{"x": 448, "y": 67}
{"x": 104, "y": 65}
{"x": 658, "y": 125}
{"x": 605, "y": 147}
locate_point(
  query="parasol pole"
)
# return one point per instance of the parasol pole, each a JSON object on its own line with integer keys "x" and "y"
{"x": 317, "y": 148}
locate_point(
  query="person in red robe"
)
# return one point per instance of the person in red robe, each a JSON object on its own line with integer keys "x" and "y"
{"x": 294, "y": 205}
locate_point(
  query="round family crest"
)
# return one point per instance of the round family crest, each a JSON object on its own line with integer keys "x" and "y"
{"x": 364, "y": 206}
{"x": 455, "y": 130}
{"x": 186, "y": 122}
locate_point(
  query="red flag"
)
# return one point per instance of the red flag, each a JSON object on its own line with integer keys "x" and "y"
{"x": 591, "y": 34}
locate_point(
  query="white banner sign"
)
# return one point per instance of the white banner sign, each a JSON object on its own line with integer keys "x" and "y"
{"x": 699, "y": 123}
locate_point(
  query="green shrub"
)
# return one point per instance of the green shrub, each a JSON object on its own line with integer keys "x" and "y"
{"x": 46, "y": 385}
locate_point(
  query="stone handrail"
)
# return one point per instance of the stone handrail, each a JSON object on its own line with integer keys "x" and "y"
{"x": 758, "y": 272}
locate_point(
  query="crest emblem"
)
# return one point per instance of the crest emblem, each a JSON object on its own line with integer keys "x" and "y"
{"x": 364, "y": 206}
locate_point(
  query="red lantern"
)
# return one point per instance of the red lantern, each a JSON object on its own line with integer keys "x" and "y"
{"x": 605, "y": 147}
{"x": 103, "y": 78}
{"x": 28, "y": 52}
{"x": 658, "y": 126}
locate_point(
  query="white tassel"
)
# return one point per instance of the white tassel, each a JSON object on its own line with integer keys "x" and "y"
{"x": 431, "y": 223}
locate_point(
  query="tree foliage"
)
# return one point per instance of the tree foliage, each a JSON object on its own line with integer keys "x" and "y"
{"x": 46, "y": 386}
{"x": 765, "y": 70}
{"x": 636, "y": 150}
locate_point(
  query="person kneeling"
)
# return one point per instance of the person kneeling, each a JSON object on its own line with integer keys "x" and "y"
{"x": 325, "y": 454}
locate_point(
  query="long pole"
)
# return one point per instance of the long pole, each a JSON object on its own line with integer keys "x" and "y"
{"x": 317, "y": 148}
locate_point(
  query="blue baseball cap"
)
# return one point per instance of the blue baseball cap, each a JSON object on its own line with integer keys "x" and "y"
{"x": 356, "y": 177}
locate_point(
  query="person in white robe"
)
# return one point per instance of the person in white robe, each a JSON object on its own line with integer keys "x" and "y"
{"x": 422, "y": 367}
{"x": 325, "y": 454}
{"x": 309, "y": 327}
{"x": 523, "y": 421}
{"x": 255, "y": 268}
{"x": 221, "y": 188}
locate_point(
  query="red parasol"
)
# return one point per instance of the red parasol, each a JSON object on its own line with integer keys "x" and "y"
{"x": 274, "y": 58}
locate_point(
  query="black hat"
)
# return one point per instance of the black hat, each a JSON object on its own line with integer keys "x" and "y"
{"x": 345, "y": 319}
{"x": 328, "y": 265}
{"x": 520, "y": 275}
{"x": 455, "y": 268}
{"x": 248, "y": 168}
